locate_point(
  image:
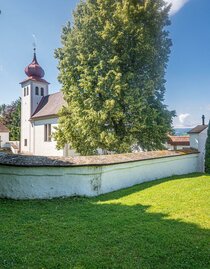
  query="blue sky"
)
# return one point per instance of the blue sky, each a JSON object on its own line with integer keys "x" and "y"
{"x": 188, "y": 73}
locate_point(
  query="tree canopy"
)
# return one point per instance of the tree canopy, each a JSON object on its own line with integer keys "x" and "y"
{"x": 112, "y": 65}
{"x": 10, "y": 116}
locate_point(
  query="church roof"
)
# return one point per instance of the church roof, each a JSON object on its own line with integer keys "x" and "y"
{"x": 198, "y": 129}
{"x": 49, "y": 106}
{"x": 3, "y": 129}
{"x": 34, "y": 79}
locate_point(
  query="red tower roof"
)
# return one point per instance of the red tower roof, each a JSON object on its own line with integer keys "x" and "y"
{"x": 34, "y": 70}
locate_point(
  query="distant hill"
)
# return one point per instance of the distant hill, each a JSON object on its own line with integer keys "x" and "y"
{"x": 181, "y": 131}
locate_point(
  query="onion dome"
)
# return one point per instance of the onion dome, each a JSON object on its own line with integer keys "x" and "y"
{"x": 34, "y": 70}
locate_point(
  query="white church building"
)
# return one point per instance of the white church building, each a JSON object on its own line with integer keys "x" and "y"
{"x": 39, "y": 117}
{"x": 39, "y": 114}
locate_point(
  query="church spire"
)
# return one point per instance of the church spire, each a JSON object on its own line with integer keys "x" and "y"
{"x": 34, "y": 59}
{"x": 34, "y": 70}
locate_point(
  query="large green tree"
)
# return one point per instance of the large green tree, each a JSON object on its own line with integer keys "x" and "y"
{"x": 10, "y": 116}
{"x": 112, "y": 66}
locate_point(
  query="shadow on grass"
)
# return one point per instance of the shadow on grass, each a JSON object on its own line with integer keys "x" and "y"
{"x": 79, "y": 233}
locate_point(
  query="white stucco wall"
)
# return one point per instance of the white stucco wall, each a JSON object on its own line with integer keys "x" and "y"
{"x": 25, "y": 116}
{"x": 29, "y": 104}
{"x": 50, "y": 182}
{"x": 35, "y": 99}
{"x": 41, "y": 147}
{"x": 198, "y": 141}
{"x": 194, "y": 140}
{"x": 14, "y": 146}
{"x": 4, "y": 138}
{"x": 170, "y": 147}
{"x": 46, "y": 148}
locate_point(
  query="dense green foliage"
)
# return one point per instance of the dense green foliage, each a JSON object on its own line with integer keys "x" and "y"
{"x": 10, "y": 116}
{"x": 207, "y": 154}
{"x": 112, "y": 66}
{"x": 161, "y": 224}
{"x": 2, "y": 109}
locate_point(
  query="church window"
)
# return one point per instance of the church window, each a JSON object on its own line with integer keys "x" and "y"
{"x": 42, "y": 91}
{"x": 37, "y": 90}
{"x": 24, "y": 91}
{"x": 27, "y": 89}
{"x": 25, "y": 142}
{"x": 47, "y": 132}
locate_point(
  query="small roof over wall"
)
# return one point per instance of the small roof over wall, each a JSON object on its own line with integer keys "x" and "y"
{"x": 198, "y": 129}
{"x": 179, "y": 140}
{"x": 99, "y": 160}
{"x": 3, "y": 129}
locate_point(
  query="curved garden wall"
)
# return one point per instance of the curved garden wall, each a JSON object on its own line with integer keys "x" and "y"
{"x": 42, "y": 180}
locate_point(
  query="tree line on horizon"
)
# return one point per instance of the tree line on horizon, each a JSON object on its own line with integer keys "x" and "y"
{"x": 10, "y": 116}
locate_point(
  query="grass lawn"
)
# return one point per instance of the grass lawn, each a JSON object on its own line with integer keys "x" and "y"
{"x": 160, "y": 224}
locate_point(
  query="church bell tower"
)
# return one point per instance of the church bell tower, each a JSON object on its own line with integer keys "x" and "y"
{"x": 34, "y": 88}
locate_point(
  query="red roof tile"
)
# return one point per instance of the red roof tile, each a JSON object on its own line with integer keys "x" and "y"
{"x": 179, "y": 140}
{"x": 3, "y": 129}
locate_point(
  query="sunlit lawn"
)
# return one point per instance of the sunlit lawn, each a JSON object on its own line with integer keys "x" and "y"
{"x": 161, "y": 224}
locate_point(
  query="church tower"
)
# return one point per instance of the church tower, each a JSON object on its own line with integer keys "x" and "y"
{"x": 34, "y": 88}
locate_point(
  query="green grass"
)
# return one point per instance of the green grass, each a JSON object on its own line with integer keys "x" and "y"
{"x": 160, "y": 224}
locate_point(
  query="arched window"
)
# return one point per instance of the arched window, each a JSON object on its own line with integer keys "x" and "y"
{"x": 24, "y": 91}
{"x": 42, "y": 91}
{"x": 37, "y": 90}
{"x": 27, "y": 91}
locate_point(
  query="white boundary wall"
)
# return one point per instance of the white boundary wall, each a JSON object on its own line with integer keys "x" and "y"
{"x": 4, "y": 137}
{"x": 51, "y": 182}
{"x": 198, "y": 141}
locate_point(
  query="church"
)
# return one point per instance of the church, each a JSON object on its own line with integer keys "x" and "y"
{"x": 39, "y": 114}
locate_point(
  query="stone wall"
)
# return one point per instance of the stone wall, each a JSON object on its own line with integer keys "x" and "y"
{"x": 22, "y": 181}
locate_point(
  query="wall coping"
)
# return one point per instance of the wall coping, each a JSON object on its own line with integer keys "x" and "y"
{"x": 19, "y": 160}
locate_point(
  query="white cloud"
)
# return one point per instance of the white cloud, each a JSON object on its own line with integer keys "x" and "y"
{"x": 182, "y": 117}
{"x": 176, "y": 5}
{"x": 183, "y": 120}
